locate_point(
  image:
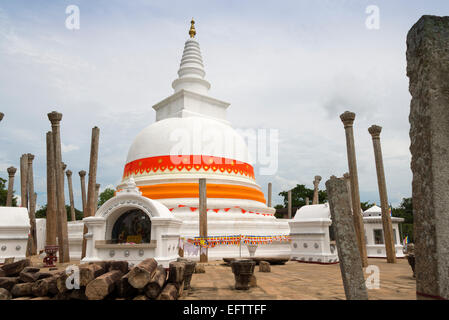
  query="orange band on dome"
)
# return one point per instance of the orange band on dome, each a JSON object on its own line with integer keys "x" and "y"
{"x": 191, "y": 190}
{"x": 188, "y": 163}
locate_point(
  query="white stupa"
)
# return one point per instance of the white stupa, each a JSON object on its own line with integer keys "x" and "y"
{"x": 191, "y": 139}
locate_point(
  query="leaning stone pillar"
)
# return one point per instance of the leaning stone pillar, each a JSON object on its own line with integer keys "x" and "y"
{"x": 63, "y": 238}
{"x": 289, "y": 205}
{"x": 11, "y": 173}
{"x": 270, "y": 187}
{"x": 348, "y": 119}
{"x": 91, "y": 203}
{"x": 386, "y": 219}
{"x": 32, "y": 200}
{"x": 23, "y": 181}
{"x": 82, "y": 174}
{"x": 72, "y": 204}
{"x": 51, "y": 222}
{"x": 428, "y": 70}
{"x": 348, "y": 253}
{"x": 316, "y": 183}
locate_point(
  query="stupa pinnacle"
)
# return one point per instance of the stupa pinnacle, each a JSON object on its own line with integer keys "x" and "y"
{"x": 192, "y": 31}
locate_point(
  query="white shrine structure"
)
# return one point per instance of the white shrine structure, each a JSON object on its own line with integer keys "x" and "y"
{"x": 191, "y": 139}
{"x": 310, "y": 239}
{"x": 375, "y": 245}
{"x": 14, "y": 229}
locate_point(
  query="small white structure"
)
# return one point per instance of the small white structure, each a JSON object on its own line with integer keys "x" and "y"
{"x": 75, "y": 231}
{"x": 375, "y": 245}
{"x": 133, "y": 228}
{"x": 309, "y": 232}
{"x": 14, "y": 230}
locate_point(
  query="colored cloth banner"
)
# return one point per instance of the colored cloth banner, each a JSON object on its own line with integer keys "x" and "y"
{"x": 211, "y": 242}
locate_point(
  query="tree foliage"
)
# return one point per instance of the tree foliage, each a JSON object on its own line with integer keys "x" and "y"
{"x": 4, "y": 194}
{"x": 405, "y": 210}
{"x": 42, "y": 213}
{"x": 107, "y": 194}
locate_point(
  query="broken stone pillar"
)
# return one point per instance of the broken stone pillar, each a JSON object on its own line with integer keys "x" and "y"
{"x": 348, "y": 120}
{"x": 82, "y": 174}
{"x": 428, "y": 70}
{"x": 316, "y": 183}
{"x": 270, "y": 186}
{"x": 348, "y": 253}
{"x": 91, "y": 202}
{"x": 72, "y": 204}
{"x": 289, "y": 204}
{"x": 11, "y": 173}
{"x": 32, "y": 200}
{"x": 63, "y": 238}
{"x": 386, "y": 219}
{"x": 23, "y": 181}
{"x": 348, "y": 185}
{"x": 51, "y": 216}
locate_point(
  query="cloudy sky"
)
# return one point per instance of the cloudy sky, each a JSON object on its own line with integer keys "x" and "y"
{"x": 294, "y": 66}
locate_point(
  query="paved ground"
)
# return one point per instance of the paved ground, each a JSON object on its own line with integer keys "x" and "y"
{"x": 294, "y": 281}
{"x": 300, "y": 281}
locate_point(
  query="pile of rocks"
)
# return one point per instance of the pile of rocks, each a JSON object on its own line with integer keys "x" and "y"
{"x": 109, "y": 280}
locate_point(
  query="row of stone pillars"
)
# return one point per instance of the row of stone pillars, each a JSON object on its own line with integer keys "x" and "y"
{"x": 56, "y": 222}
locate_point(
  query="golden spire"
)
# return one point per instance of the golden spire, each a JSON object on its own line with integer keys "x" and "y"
{"x": 192, "y": 31}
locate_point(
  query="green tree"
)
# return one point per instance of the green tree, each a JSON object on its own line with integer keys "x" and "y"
{"x": 42, "y": 213}
{"x": 107, "y": 194}
{"x": 299, "y": 195}
{"x": 405, "y": 210}
{"x": 4, "y": 194}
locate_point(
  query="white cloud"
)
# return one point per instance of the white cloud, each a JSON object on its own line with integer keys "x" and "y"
{"x": 68, "y": 147}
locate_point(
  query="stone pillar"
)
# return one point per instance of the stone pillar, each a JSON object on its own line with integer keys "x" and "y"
{"x": 82, "y": 174}
{"x": 386, "y": 219}
{"x": 270, "y": 187}
{"x": 51, "y": 222}
{"x": 23, "y": 181}
{"x": 350, "y": 261}
{"x": 63, "y": 238}
{"x": 428, "y": 70}
{"x": 348, "y": 185}
{"x": 289, "y": 205}
{"x": 203, "y": 215}
{"x": 72, "y": 204}
{"x": 11, "y": 173}
{"x": 97, "y": 194}
{"x": 316, "y": 183}
{"x": 348, "y": 119}
{"x": 307, "y": 200}
{"x": 91, "y": 203}
{"x": 32, "y": 200}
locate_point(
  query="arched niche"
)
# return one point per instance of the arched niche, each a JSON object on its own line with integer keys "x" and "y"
{"x": 132, "y": 226}
{"x": 122, "y": 214}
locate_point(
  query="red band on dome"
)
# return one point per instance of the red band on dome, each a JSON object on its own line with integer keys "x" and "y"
{"x": 189, "y": 163}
